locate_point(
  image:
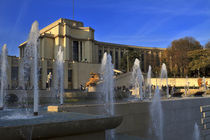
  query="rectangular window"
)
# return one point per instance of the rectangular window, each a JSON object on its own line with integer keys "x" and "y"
{"x": 105, "y": 50}
{"x": 49, "y": 70}
{"x": 142, "y": 57}
{"x": 40, "y": 73}
{"x": 121, "y": 53}
{"x": 69, "y": 75}
{"x": 81, "y": 50}
{"x": 142, "y": 62}
{"x": 99, "y": 56}
{"x": 111, "y": 53}
{"x": 14, "y": 73}
{"x": 75, "y": 51}
{"x": 116, "y": 59}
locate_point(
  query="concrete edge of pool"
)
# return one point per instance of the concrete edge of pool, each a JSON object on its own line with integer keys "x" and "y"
{"x": 60, "y": 125}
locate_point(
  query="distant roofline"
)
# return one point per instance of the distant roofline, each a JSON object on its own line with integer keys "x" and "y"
{"x": 128, "y": 46}
{"x": 55, "y": 23}
{"x": 62, "y": 20}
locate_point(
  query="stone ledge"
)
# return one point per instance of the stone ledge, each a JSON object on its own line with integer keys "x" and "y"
{"x": 55, "y": 125}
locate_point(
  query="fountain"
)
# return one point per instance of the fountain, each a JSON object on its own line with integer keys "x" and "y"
{"x": 108, "y": 83}
{"x": 31, "y": 62}
{"x": 17, "y": 125}
{"x": 59, "y": 74}
{"x": 149, "y": 81}
{"x": 196, "y": 133}
{"x": 108, "y": 89}
{"x": 137, "y": 79}
{"x": 164, "y": 75}
{"x": 157, "y": 115}
{"x": 3, "y": 75}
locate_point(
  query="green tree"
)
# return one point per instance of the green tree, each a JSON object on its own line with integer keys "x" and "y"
{"x": 176, "y": 57}
{"x": 199, "y": 61}
{"x": 207, "y": 45}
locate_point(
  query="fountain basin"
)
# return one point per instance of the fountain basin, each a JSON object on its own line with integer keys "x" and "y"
{"x": 59, "y": 125}
{"x": 179, "y": 116}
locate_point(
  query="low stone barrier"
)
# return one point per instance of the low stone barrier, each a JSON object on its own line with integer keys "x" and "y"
{"x": 56, "y": 126}
{"x": 179, "y": 116}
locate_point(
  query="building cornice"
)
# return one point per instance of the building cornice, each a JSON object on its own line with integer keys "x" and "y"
{"x": 127, "y": 46}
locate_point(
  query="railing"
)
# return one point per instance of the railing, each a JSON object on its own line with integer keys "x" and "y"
{"x": 205, "y": 121}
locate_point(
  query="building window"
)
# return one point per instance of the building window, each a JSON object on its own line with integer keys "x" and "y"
{"x": 14, "y": 73}
{"x": 142, "y": 57}
{"x": 100, "y": 56}
{"x": 142, "y": 62}
{"x": 121, "y": 53}
{"x": 27, "y": 72}
{"x": 69, "y": 75}
{"x": 116, "y": 59}
{"x": 75, "y": 50}
{"x": 49, "y": 70}
{"x": 105, "y": 50}
{"x": 81, "y": 50}
{"x": 40, "y": 74}
{"x": 111, "y": 53}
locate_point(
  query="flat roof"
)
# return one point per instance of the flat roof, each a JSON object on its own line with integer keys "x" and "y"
{"x": 128, "y": 46}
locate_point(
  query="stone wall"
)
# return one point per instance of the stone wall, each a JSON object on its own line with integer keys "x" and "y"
{"x": 180, "y": 82}
{"x": 125, "y": 79}
{"x": 179, "y": 116}
{"x": 81, "y": 73}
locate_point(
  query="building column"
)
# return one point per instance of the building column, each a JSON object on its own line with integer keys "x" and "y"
{"x": 89, "y": 51}
{"x": 70, "y": 50}
{"x": 108, "y": 50}
{"x": 42, "y": 49}
{"x": 57, "y": 44}
{"x": 160, "y": 55}
{"x": 66, "y": 48}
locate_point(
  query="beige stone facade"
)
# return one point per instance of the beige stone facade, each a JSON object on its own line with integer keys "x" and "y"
{"x": 82, "y": 53}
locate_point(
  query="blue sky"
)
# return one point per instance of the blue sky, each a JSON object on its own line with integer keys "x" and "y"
{"x": 152, "y": 23}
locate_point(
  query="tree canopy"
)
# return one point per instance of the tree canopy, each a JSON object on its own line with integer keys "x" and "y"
{"x": 207, "y": 45}
{"x": 184, "y": 56}
{"x": 199, "y": 60}
{"x": 176, "y": 56}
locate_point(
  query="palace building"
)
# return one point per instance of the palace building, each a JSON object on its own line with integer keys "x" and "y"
{"x": 82, "y": 54}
